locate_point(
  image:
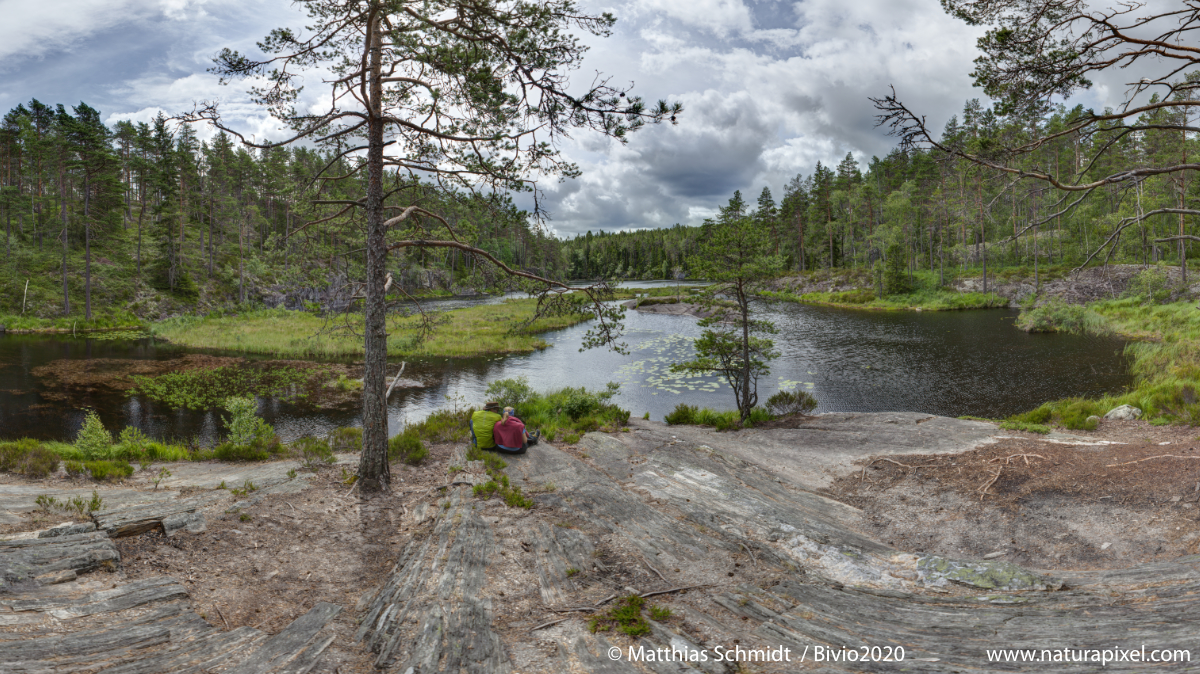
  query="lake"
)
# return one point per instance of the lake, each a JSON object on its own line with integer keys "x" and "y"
{"x": 948, "y": 363}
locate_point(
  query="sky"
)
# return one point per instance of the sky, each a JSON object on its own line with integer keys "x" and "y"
{"x": 768, "y": 88}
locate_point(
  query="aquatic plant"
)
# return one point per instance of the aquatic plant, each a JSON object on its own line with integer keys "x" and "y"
{"x": 205, "y": 388}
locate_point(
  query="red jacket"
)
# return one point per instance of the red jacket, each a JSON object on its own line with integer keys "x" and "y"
{"x": 510, "y": 433}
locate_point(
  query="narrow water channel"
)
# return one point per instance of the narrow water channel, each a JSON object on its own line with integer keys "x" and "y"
{"x": 948, "y": 363}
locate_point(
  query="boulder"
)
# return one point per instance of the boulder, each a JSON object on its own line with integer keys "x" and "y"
{"x": 1124, "y": 413}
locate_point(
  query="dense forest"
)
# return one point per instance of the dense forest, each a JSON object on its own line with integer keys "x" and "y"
{"x": 946, "y": 214}
{"x": 147, "y": 218}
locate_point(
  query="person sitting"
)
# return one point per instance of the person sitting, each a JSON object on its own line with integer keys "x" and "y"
{"x": 510, "y": 433}
{"x": 482, "y": 423}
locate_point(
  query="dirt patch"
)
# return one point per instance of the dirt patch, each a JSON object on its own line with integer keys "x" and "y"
{"x": 1038, "y": 502}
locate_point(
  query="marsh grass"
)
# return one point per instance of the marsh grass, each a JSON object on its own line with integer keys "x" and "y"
{"x": 201, "y": 389}
{"x": 1164, "y": 360}
{"x": 472, "y": 331}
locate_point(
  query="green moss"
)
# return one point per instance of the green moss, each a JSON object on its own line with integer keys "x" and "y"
{"x": 1021, "y": 426}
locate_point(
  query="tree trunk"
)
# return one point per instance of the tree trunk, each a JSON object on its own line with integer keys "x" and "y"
{"x": 373, "y": 471}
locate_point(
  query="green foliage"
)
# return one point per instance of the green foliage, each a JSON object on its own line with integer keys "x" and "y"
{"x": 346, "y": 439}
{"x": 202, "y": 389}
{"x": 407, "y": 447}
{"x": 510, "y": 392}
{"x": 895, "y": 272}
{"x": 77, "y": 504}
{"x": 27, "y": 457}
{"x": 626, "y": 615}
{"x": 1055, "y": 316}
{"x": 736, "y": 254}
{"x": 94, "y": 441}
{"x": 102, "y": 470}
{"x": 443, "y": 426}
{"x": 791, "y": 402}
{"x": 314, "y": 453}
{"x": 1150, "y": 286}
{"x": 660, "y": 613}
{"x": 344, "y": 383}
{"x": 690, "y": 415}
{"x": 163, "y": 474}
{"x": 245, "y": 426}
{"x": 682, "y": 415}
{"x": 1021, "y": 426}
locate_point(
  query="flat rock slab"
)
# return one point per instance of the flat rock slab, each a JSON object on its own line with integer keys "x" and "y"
{"x": 25, "y": 560}
{"x": 170, "y": 516}
{"x": 16, "y": 499}
{"x": 825, "y": 448}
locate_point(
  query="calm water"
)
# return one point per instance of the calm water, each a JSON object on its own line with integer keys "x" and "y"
{"x": 949, "y": 363}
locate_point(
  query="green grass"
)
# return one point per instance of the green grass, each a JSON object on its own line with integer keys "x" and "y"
{"x": 101, "y": 320}
{"x": 1164, "y": 360}
{"x": 690, "y": 415}
{"x": 473, "y": 331}
{"x": 925, "y": 300}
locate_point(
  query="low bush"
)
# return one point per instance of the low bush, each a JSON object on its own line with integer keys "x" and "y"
{"x": 407, "y": 447}
{"x": 791, "y": 402}
{"x": 27, "y": 457}
{"x": 346, "y": 439}
{"x": 690, "y": 415}
{"x": 1054, "y": 316}
{"x": 1150, "y": 286}
{"x": 257, "y": 450}
{"x": 314, "y": 453}
{"x": 108, "y": 469}
{"x": 443, "y": 426}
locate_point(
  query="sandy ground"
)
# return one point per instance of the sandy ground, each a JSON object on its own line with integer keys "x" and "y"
{"x": 1040, "y": 502}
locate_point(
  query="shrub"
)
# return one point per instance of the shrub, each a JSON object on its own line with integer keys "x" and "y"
{"x": 1054, "y": 316}
{"x": 442, "y": 426}
{"x": 579, "y": 402}
{"x": 683, "y": 414}
{"x": 74, "y": 468}
{"x": 105, "y": 469}
{"x": 791, "y": 402}
{"x": 313, "y": 452}
{"x": 1151, "y": 285}
{"x": 346, "y": 439}
{"x": 510, "y": 392}
{"x": 94, "y": 441}
{"x": 258, "y": 450}
{"x": 245, "y": 426}
{"x": 407, "y": 447}
{"x": 27, "y": 457}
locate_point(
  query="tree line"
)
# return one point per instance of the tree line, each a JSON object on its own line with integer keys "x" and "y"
{"x": 946, "y": 214}
{"x": 110, "y": 209}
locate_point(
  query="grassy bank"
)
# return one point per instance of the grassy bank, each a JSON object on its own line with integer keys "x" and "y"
{"x": 474, "y": 331}
{"x": 101, "y": 320}
{"x": 923, "y": 300}
{"x": 856, "y": 289}
{"x": 1164, "y": 359}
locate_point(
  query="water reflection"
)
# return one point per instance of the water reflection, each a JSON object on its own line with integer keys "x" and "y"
{"x": 951, "y": 363}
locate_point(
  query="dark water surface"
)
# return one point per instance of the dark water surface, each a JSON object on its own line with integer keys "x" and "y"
{"x": 949, "y": 363}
